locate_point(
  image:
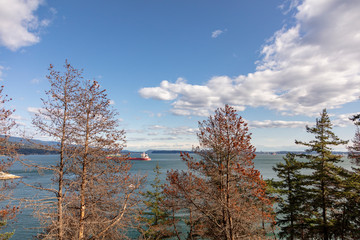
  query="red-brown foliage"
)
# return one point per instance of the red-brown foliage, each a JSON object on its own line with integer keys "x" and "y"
{"x": 221, "y": 190}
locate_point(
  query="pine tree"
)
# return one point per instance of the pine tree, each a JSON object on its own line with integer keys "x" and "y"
{"x": 349, "y": 218}
{"x": 326, "y": 178}
{"x": 221, "y": 191}
{"x": 346, "y": 214}
{"x": 354, "y": 150}
{"x": 293, "y": 196}
{"x": 155, "y": 217}
{"x": 356, "y": 119}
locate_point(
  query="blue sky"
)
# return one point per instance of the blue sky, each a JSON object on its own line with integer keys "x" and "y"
{"x": 168, "y": 64}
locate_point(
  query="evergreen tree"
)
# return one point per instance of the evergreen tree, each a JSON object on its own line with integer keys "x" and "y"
{"x": 6, "y": 235}
{"x": 155, "y": 217}
{"x": 346, "y": 216}
{"x": 293, "y": 196}
{"x": 350, "y": 218}
{"x": 326, "y": 179}
{"x": 354, "y": 150}
{"x": 356, "y": 119}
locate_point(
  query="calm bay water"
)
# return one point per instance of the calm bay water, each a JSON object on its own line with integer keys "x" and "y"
{"x": 26, "y": 226}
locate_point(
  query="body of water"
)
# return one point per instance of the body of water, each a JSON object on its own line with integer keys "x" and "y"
{"x": 26, "y": 225}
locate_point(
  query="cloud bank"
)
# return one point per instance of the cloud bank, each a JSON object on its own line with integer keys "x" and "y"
{"x": 305, "y": 67}
{"x": 19, "y": 25}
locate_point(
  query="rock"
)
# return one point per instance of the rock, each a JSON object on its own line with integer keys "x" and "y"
{"x": 5, "y": 176}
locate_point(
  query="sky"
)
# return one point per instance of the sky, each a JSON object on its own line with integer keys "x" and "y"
{"x": 167, "y": 64}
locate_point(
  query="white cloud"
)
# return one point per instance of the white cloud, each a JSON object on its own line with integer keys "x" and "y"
{"x": 278, "y": 124}
{"x": 311, "y": 65}
{"x": 160, "y": 93}
{"x": 216, "y": 33}
{"x": 19, "y": 25}
{"x": 145, "y": 144}
{"x": 182, "y": 131}
{"x": 53, "y": 11}
{"x": 156, "y": 127}
{"x": 134, "y": 131}
{"x": 172, "y": 131}
{"x": 153, "y": 134}
{"x": 150, "y": 114}
{"x": 20, "y": 123}
{"x": 165, "y": 139}
{"x": 35, "y": 81}
{"x": 16, "y": 117}
{"x": 34, "y": 110}
{"x": 1, "y": 73}
{"x": 343, "y": 120}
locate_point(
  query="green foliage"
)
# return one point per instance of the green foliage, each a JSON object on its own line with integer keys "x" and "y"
{"x": 293, "y": 195}
{"x": 6, "y": 235}
{"x": 221, "y": 191}
{"x": 350, "y": 218}
{"x": 354, "y": 150}
{"x": 155, "y": 218}
{"x": 326, "y": 181}
{"x": 356, "y": 119}
{"x": 346, "y": 218}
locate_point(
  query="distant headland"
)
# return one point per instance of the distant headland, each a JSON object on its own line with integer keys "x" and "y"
{"x": 26, "y": 147}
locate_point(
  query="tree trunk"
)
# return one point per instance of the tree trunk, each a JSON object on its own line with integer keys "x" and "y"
{"x": 83, "y": 181}
{"x": 324, "y": 207}
{"x": 325, "y": 227}
{"x": 291, "y": 203}
{"x": 60, "y": 199}
{"x": 82, "y": 201}
{"x": 61, "y": 174}
{"x": 229, "y": 218}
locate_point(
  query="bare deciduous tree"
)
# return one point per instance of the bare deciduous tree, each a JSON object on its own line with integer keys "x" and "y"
{"x": 94, "y": 195}
{"x": 55, "y": 120}
{"x": 8, "y": 155}
{"x": 103, "y": 192}
{"x": 222, "y": 192}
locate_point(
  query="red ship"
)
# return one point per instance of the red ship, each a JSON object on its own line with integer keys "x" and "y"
{"x": 143, "y": 157}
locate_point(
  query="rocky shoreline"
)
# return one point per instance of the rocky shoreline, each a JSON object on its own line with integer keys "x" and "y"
{"x": 6, "y": 176}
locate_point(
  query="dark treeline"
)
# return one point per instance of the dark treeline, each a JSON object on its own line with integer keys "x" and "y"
{"x": 170, "y": 151}
{"x": 35, "y": 151}
{"x": 220, "y": 195}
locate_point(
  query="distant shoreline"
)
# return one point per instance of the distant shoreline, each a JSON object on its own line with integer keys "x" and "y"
{"x": 258, "y": 153}
{"x": 35, "y": 151}
{"x": 28, "y": 148}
